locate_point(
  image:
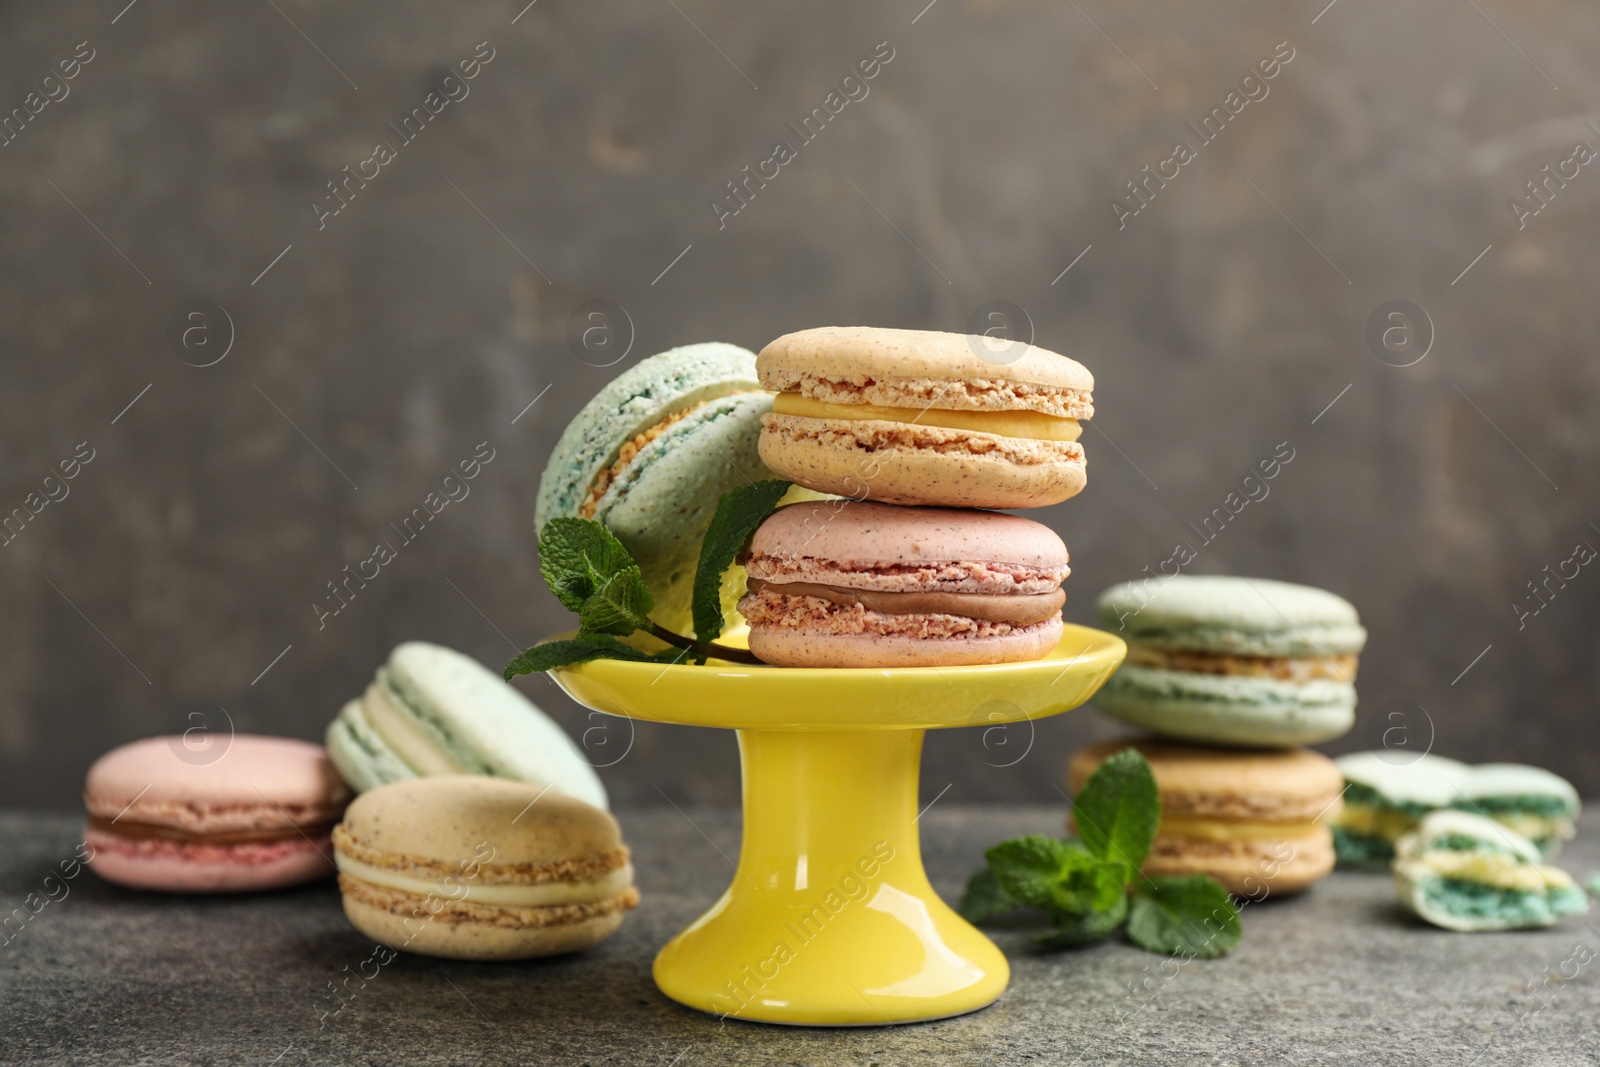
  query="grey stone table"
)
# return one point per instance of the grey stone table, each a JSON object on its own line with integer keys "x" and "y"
{"x": 1340, "y": 975}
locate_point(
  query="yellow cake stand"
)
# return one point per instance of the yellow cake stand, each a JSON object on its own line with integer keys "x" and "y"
{"x": 829, "y": 919}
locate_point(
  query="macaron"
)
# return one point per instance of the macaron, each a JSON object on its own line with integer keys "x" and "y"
{"x": 431, "y": 710}
{"x": 842, "y": 583}
{"x": 240, "y": 814}
{"x": 1233, "y": 661}
{"x": 481, "y": 869}
{"x": 1388, "y": 793}
{"x": 1464, "y": 872}
{"x": 650, "y": 455}
{"x": 918, "y": 417}
{"x": 1253, "y": 820}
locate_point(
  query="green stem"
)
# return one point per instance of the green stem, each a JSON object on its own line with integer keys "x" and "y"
{"x": 710, "y": 648}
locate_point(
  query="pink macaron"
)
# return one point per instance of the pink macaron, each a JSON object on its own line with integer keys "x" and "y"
{"x": 840, "y": 583}
{"x": 240, "y": 814}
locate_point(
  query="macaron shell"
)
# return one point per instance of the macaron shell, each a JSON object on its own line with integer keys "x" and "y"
{"x": 246, "y": 783}
{"x": 1245, "y": 616}
{"x": 478, "y": 940}
{"x": 662, "y": 503}
{"x": 858, "y": 353}
{"x": 865, "y": 532}
{"x": 1293, "y": 785}
{"x": 906, "y": 463}
{"x": 1227, "y": 710}
{"x": 193, "y": 867}
{"x": 483, "y": 724}
{"x": 783, "y": 647}
{"x": 635, "y": 400}
{"x": 1401, "y": 778}
{"x": 453, "y": 819}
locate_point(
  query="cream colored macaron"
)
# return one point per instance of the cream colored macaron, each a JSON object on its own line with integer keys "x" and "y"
{"x": 919, "y": 417}
{"x": 481, "y": 868}
{"x": 1254, "y": 820}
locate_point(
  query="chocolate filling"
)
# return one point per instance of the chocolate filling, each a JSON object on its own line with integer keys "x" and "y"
{"x": 139, "y": 831}
{"x": 1018, "y": 610}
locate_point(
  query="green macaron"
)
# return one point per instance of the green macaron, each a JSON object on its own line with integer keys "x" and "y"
{"x": 652, "y": 452}
{"x": 1233, "y": 661}
{"x": 1464, "y": 872}
{"x": 1387, "y": 793}
{"x": 433, "y": 711}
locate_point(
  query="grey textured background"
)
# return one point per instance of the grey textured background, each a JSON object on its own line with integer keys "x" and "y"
{"x": 379, "y": 351}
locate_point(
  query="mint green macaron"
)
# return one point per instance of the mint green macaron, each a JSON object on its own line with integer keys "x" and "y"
{"x": 1387, "y": 793}
{"x": 431, "y": 711}
{"x": 652, "y": 452}
{"x": 1233, "y": 661}
{"x": 1464, "y": 872}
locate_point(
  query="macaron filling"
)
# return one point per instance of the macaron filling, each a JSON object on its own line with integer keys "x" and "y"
{"x": 1203, "y": 828}
{"x": 1035, "y": 425}
{"x": 826, "y": 616}
{"x": 1464, "y": 872}
{"x": 950, "y": 394}
{"x": 128, "y": 830}
{"x": 1016, "y": 610}
{"x": 1335, "y": 668}
{"x": 924, "y": 599}
{"x": 625, "y": 455}
{"x": 480, "y": 891}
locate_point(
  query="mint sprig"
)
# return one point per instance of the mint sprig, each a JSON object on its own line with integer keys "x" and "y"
{"x": 1082, "y": 885}
{"x": 1192, "y": 915}
{"x": 592, "y": 574}
{"x": 739, "y": 512}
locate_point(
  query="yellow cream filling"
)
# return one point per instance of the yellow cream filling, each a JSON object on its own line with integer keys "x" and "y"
{"x": 1195, "y": 828}
{"x": 1032, "y": 425}
{"x": 521, "y": 896}
{"x": 1391, "y": 825}
{"x": 1499, "y": 869}
{"x": 1384, "y": 823}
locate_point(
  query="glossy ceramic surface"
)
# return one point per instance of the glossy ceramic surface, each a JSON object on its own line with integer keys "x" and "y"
{"x": 829, "y": 919}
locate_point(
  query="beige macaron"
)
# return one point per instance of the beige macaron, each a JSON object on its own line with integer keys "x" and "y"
{"x": 1254, "y": 820}
{"x": 481, "y": 868}
{"x": 919, "y": 417}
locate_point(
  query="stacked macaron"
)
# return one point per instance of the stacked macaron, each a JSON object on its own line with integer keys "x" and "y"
{"x": 916, "y": 430}
{"x": 1233, "y": 674}
{"x": 650, "y": 455}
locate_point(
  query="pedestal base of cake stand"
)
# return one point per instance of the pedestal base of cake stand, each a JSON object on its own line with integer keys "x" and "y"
{"x": 830, "y": 919}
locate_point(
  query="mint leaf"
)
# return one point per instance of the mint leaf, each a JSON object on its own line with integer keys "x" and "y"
{"x": 1028, "y": 868}
{"x": 984, "y": 899}
{"x": 1083, "y": 928}
{"x": 739, "y": 512}
{"x": 1192, "y": 915}
{"x": 577, "y": 557}
{"x": 1118, "y": 809}
{"x": 1089, "y": 885}
{"x": 619, "y": 606}
{"x": 564, "y": 653}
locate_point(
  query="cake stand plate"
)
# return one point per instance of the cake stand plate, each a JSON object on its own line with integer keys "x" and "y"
{"x": 830, "y": 919}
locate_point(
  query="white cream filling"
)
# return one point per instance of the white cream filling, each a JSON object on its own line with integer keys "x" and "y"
{"x": 399, "y": 733}
{"x": 460, "y": 888}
